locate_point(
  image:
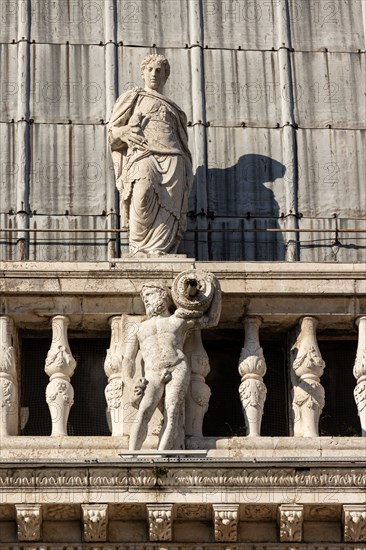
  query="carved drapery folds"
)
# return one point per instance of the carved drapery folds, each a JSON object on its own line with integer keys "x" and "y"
{"x": 225, "y": 520}
{"x": 354, "y": 520}
{"x": 160, "y": 522}
{"x": 290, "y": 519}
{"x": 95, "y": 522}
{"x": 308, "y": 393}
{"x": 113, "y": 369}
{"x": 359, "y": 371}
{"x": 29, "y": 522}
{"x": 8, "y": 380}
{"x": 199, "y": 393}
{"x": 252, "y": 368}
{"x": 60, "y": 366}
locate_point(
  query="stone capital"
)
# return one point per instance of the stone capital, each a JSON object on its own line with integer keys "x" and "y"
{"x": 225, "y": 520}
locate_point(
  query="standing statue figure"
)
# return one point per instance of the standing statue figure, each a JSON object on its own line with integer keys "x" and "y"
{"x": 160, "y": 339}
{"x": 153, "y": 165}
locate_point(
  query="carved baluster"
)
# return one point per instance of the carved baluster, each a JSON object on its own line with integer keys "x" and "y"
{"x": 8, "y": 380}
{"x": 308, "y": 393}
{"x": 160, "y": 522}
{"x": 113, "y": 369}
{"x": 252, "y": 368}
{"x": 29, "y": 521}
{"x": 199, "y": 393}
{"x": 225, "y": 518}
{"x": 359, "y": 371}
{"x": 95, "y": 521}
{"x": 354, "y": 521}
{"x": 290, "y": 519}
{"x": 60, "y": 366}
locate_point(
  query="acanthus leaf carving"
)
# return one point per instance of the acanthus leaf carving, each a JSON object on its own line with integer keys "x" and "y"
{"x": 225, "y": 522}
{"x": 160, "y": 522}
{"x": 359, "y": 372}
{"x": 291, "y": 522}
{"x": 95, "y": 521}
{"x": 354, "y": 518}
{"x": 29, "y": 520}
{"x": 8, "y": 380}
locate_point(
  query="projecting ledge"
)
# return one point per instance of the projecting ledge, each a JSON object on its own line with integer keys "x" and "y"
{"x": 255, "y": 450}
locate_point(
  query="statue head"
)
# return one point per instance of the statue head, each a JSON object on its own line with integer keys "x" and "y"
{"x": 155, "y": 297}
{"x": 155, "y": 70}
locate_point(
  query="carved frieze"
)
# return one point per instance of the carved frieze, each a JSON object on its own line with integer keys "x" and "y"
{"x": 225, "y": 519}
{"x": 160, "y": 522}
{"x": 290, "y": 519}
{"x": 354, "y": 519}
{"x": 29, "y": 521}
{"x": 95, "y": 522}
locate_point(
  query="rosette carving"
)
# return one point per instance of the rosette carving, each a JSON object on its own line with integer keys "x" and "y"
{"x": 252, "y": 368}
{"x": 308, "y": 393}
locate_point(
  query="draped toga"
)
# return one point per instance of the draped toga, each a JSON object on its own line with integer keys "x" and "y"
{"x": 154, "y": 179}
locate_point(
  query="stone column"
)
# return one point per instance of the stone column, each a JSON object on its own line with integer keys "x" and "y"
{"x": 252, "y": 368}
{"x": 354, "y": 521}
{"x": 113, "y": 369}
{"x": 290, "y": 519}
{"x": 308, "y": 393}
{"x": 160, "y": 522}
{"x": 29, "y": 521}
{"x": 359, "y": 371}
{"x": 60, "y": 366}
{"x": 8, "y": 380}
{"x": 225, "y": 519}
{"x": 199, "y": 393}
{"x": 95, "y": 522}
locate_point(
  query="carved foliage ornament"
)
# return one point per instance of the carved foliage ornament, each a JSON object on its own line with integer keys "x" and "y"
{"x": 95, "y": 519}
{"x": 226, "y": 522}
{"x": 29, "y": 519}
{"x": 291, "y": 520}
{"x": 160, "y": 522}
{"x": 354, "y": 523}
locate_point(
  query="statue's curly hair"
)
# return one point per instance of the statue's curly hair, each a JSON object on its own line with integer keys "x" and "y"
{"x": 156, "y": 57}
{"x": 164, "y": 292}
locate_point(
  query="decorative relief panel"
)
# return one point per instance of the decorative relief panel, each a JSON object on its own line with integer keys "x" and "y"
{"x": 29, "y": 521}
{"x": 95, "y": 520}
{"x": 160, "y": 522}
{"x": 225, "y": 518}
{"x": 290, "y": 521}
{"x": 8, "y": 380}
{"x": 359, "y": 371}
{"x": 113, "y": 369}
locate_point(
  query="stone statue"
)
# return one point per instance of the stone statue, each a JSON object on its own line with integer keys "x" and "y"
{"x": 153, "y": 166}
{"x": 160, "y": 339}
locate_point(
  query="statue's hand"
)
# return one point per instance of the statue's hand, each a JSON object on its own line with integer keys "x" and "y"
{"x": 138, "y": 392}
{"x": 131, "y": 135}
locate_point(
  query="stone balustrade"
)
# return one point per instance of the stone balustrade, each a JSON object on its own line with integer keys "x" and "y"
{"x": 306, "y": 368}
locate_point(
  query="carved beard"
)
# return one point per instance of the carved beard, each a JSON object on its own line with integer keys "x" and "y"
{"x": 152, "y": 310}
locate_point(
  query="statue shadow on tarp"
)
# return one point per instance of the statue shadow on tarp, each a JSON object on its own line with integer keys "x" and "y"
{"x": 238, "y": 198}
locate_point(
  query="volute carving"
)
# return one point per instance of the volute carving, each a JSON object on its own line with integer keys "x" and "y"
{"x": 252, "y": 368}
{"x": 60, "y": 366}
{"x": 308, "y": 393}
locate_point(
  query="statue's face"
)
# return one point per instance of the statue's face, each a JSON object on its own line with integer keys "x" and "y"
{"x": 154, "y": 301}
{"x": 154, "y": 75}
